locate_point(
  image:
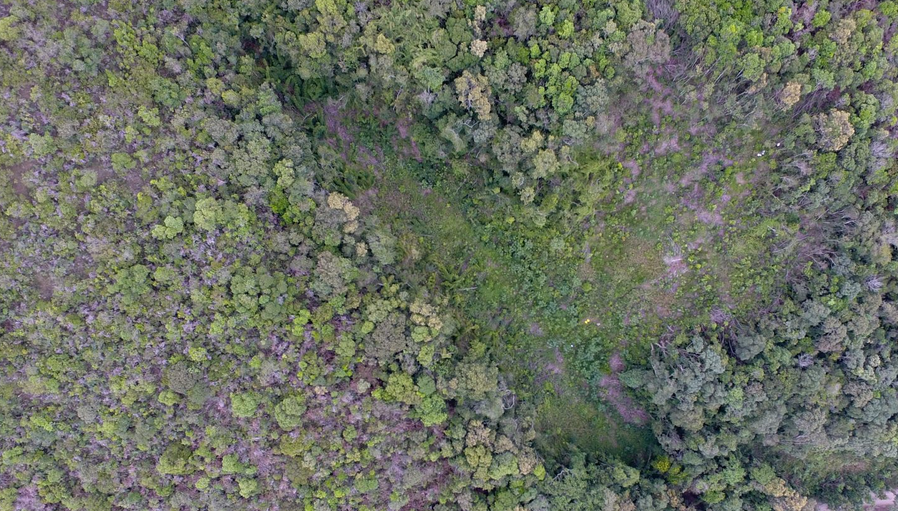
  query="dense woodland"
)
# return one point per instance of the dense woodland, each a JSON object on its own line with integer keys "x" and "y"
{"x": 433, "y": 255}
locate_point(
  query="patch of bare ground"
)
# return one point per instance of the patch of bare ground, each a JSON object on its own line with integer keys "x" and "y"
{"x": 43, "y": 285}
{"x": 103, "y": 171}
{"x": 342, "y": 124}
{"x": 698, "y": 173}
{"x": 135, "y": 181}
{"x": 549, "y": 367}
{"x": 668, "y": 145}
{"x": 17, "y": 175}
{"x": 884, "y": 502}
{"x": 612, "y": 391}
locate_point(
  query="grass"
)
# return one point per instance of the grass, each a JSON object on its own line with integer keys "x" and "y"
{"x": 511, "y": 287}
{"x": 566, "y": 420}
{"x": 663, "y": 250}
{"x": 559, "y": 315}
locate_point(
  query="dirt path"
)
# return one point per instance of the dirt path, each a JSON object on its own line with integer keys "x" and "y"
{"x": 883, "y": 503}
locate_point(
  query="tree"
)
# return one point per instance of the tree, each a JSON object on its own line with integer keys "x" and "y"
{"x": 835, "y": 129}
{"x": 473, "y": 94}
{"x": 175, "y": 460}
{"x": 244, "y": 404}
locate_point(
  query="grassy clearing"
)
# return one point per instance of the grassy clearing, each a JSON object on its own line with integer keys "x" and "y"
{"x": 561, "y": 303}
{"x": 657, "y": 254}
{"x": 567, "y": 420}
{"x": 535, "y": 302}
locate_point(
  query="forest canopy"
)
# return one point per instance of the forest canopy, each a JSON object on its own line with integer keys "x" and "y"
{"x": 628, "y": 255}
